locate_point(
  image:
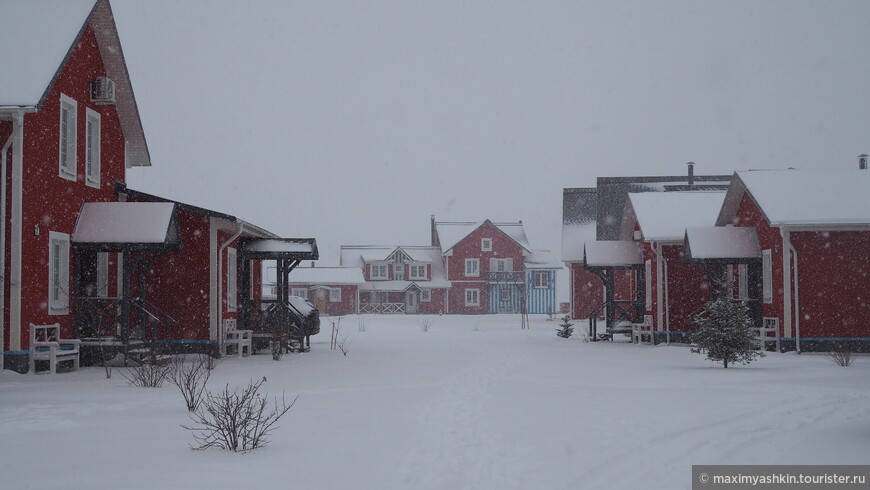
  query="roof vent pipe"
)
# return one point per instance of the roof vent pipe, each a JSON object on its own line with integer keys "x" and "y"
{"x": 862, "y": 161}
{"x": 691, "y": 173}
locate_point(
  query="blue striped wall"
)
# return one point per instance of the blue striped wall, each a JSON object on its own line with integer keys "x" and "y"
{"x": 542, "y": 300}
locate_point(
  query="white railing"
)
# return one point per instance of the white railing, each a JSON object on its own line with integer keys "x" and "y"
{"x": 382, "y": 308}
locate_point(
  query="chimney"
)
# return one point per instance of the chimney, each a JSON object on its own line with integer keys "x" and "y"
{"x": 432, "y": 229}
{"x": 862, "y": 161}
{"x": 691, "y": 173}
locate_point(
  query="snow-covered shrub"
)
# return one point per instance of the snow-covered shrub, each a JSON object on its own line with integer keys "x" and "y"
{"x": 567, "y": 328}
{"x": 841, "y": 356}
{"x": 425, "y": 324}
{"x": 724, "y": 331}
{"x": 147, "y": 374}
{"x": 238, "y": 421}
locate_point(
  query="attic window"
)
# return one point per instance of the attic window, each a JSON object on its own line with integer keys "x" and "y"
{"x": 486, "y": 244}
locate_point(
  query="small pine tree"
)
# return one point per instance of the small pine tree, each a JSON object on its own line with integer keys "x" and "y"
{"x": 724, "y": 331}
{"x": 567, "y": 328}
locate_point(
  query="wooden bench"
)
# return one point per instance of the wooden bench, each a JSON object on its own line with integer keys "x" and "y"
{"x": 240, "y": 338}
{"x": 46, "y": 345}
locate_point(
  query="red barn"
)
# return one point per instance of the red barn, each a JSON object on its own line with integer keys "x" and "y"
{"x": 813, "y": 233}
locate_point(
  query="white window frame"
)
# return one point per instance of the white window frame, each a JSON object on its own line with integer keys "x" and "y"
{"x": 505, "y": 295}
{"x": 378, "y": 267}
{"x": 425, "y": 295}
{"x": 67, "y": 145}
{"x": 232, "y": 279}
{"x": 335, "y": 295}
{"x": 647, "y": 271}
{"x": 501, "y": 265}
{"x": 472, "y": 267}
{"x": 92, "y": 148}
{"x": 58, "y": 273}
{"x": 486, "y": 244}
{"x": 301, "y": 292}
{"x": 542, "y": 284}
{"x": 767, "y": 276}
{"x": 416, "y": 268}
{"x": 472, "y": 297}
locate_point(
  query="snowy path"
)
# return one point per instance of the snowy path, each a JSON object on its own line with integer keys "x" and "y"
{"x": 475, "y": 403}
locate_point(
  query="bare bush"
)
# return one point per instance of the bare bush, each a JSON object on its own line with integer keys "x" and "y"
{"x": 191, "y": 378}
{"x": 361, "y": 323}
{"x": 236, "y": 421}
{"x": 425, "y": 324}
{"x": 343, "y": 345}
{"x": 841, "y": 356}
{"x": 147, "y": 374}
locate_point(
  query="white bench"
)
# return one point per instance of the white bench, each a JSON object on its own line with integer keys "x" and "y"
{"x": 46, "y": 345}
{"x": 240, "y": 338}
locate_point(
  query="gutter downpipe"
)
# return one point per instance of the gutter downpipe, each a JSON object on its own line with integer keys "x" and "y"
{"x": 220, "y": 280}
{"x": 3, "y": 162}
{"x": 789, "y": 256}
{"x": 667, "y": 302}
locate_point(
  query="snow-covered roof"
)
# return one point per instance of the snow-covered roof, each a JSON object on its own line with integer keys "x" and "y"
{"x": 451, "y": 233}
{"x": 280, "y": 246}
{"x": 124, "y": 223}
{"x": 804, "y": 197}
{"x": 542, "y": 259}
{"x": 358, "y": 255}
{"x": 721, "y": 243}
{"x": 36, "y": 37}
{"x": 613, "y": 254}
{"x": 403, "y": 285}
{"x": 573, "y": 238}
{"x": 664, "y": 216}
{"x": 326, "y": 276}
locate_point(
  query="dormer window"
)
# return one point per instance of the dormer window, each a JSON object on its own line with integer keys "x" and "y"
{"x": 378, "y": 271}
{"x": 486, "y": 244}
{"x": 418, "y": 272}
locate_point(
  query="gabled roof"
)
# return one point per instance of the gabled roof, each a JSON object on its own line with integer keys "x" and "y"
{"x": 126, "y": 226}
{"x": 39, "y": 36}
{"x": 811, "y": 198}
{"x": 358, "y": 255}
{"x": 723, "y": 244}
{"x": 450, "y": 233}
{"x": 664, "y": 216}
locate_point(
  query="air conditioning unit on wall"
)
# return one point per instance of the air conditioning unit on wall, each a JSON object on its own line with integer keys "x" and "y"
{"x": 103, "y": 91}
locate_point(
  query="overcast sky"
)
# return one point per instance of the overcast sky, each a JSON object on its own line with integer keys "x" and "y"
{"x": 353, "y": 122}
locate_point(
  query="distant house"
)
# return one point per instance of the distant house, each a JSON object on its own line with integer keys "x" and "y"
{"x": 398, "y": 279}
{"x": 596, "y": 214}
{"x": 333, "y": 290}
{"x": 806, "y": 257}
{"x": 492, "y": 269}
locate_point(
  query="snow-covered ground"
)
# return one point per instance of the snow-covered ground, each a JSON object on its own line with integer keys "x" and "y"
{"x": 474, "y": 403}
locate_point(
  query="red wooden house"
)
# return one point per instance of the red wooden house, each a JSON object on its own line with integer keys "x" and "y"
{"x": 69, "y": 128}
{"x": 333, "y": 290}
{"x": 673, "y": 289}
{"x": 813, "y": 232}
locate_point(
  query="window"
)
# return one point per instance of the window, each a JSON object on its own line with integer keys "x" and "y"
{"x": 58, "y": 273}
{"x": 501, "y": 265}
{"x": 399, "y": 271}
{"x": 232, "y": 279}
{"x": 743, "y": 281}
{"x": 425, "y": 295}
{"x": 301, "y": 292}
{"x": 486, "y": 244}
{"x": 647, "y": 272}
{"x": 542, "y": 280}
{"x": 68, "y": 108}
{"x": 92, "y": 149}
{"x": 378, "y": 271}
{"x": 505, "y": 295}
{"x": 472, "y": 267}
{"x": 472, "y": 297}
{"x": 335, "y": 295}
{"x": 418, "y": 272}
{"x": 766, "y": 277}
{"x": 102, "y": 274}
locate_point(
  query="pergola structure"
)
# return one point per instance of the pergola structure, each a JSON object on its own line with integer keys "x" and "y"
{"x": 604, "y": 259}
{"x": 262, "y": 316}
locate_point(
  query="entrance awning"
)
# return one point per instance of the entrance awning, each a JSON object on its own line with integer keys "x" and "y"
{"x": 612, "y": 255}
{"x": 721, "y": 244}
{"x": 278, "y": 248}
{"x": 127, "y": 226}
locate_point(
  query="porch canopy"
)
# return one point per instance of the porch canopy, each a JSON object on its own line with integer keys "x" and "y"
{"x": 721, "y": 245}
{"x": 287, "y": 253}
{"x": 127, "y": 227}
{"x": 612, "y": 255}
